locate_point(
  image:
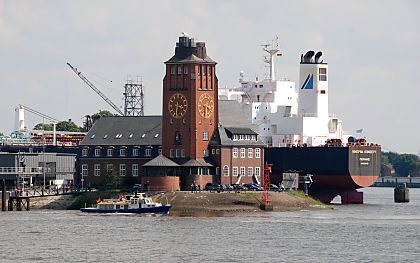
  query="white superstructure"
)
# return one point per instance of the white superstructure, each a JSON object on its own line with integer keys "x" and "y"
{"x": 283, "y": 116}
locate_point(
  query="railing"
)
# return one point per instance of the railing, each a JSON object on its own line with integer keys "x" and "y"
{"x": 21, "y": 170}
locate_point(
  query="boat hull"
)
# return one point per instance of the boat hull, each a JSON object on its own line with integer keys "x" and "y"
{"x": 333, "y": 169}
{"x": 149, "y": 210}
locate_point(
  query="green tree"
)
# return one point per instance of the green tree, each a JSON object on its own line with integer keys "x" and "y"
{"x": 1, "y": 134}
{"x": 406, "y": 164}
{"x": 68, "y": 126}
{"x": 43, "y": 127}
{"x": 111, "y": 178}
{"x": 100, "y": 114}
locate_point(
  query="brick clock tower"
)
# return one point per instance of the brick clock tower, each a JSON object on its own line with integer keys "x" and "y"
{"x": 190, "y": 102}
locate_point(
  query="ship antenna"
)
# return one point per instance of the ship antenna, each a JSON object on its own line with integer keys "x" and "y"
{"x": 273, "y": 50}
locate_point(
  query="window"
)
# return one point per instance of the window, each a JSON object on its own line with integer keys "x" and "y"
{"x": 205, "y": 136}
{"x": 250, "y": 152}
{"x": 242, "y": 152}
{"x": 160, "y": 151}
{"x": 210, "y": 68}
{"x": 217, "y": 151}
{"x": 235, "y": 171}
{"x": 322, "y": 74}
{"x": 241, "y": 137}
{"x": 135, "y": 169}
{"x": 84, "y": 170}
{"x": 122, "y": 151}
{"x": 242, "y": 172}
{"x": 171, "y": 153}
{"x": 148, "y": 152}
{"x": 135, "y": 151}
{"x": 199, "y": 69}
{"x": 172, "y": 70}
{"x": 109, "y": 167}
{"x": 226, "y": 170}
{"x": 182, "y": 153}
{"x": 109, "y": 151}
{"x": 97, "y": 170}
{"x": 177, "y": 153}
{"x": 97, "y": 152}
{"x": 213, "y": 151}
{"x": 179, "y": 70}
{"x": 322, "y": 91}
{"x": 204, "y": 70}
{"x": 250, "y": 171}
{"x": 206, "y": 152}
{"x": 185, "y": 70}
{"x": 85, "y": 152}
{"x": 217, "y": 170}
{"x": 257, "y": 171}
{"x": 235, "y": 153}
{"x": 122, "y": 169}
{"x": 257, "y": 152}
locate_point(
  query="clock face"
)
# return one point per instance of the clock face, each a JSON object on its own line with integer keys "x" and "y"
{"x": 178, "y": 105}
{"x": 206, "y": 105}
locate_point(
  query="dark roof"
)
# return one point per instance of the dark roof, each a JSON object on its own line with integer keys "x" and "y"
{"x": 161, "y": 161}
{"x": 232, "y": 120}
{"x": 190, "y": 59}
{"x": 245, "y": 131}
{"x": 231, "y": 115}
{"x": 125, "y": 130}
{"x": 199, "y": 162}
{"x": 220, "y": 137}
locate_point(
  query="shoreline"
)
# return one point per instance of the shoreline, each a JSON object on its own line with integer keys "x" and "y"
{"x": 204, "y": 203}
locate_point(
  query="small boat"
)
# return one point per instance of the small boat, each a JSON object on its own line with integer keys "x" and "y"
{"x": 133, "y": 204}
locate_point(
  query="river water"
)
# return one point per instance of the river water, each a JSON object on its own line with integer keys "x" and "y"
{"x": 377, "y": 231}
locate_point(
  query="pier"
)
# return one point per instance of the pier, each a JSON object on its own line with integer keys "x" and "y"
{"x": 410, "y": 182}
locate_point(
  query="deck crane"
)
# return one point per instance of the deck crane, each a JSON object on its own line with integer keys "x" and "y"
{"x": 90, "y": 84}
{"x": 54, "y": 121}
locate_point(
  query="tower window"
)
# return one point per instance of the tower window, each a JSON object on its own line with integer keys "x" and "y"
{"x": 172, "y": 70}
{"x": 185, "y": 70}
{"x": 179, "y": 70}
{"x": 199, "y": 69}
{"x": 205, "y": 136}
{"x": 322, "y": 74}
{"x": 204, "y": 70}
{"x": 210, "y": 69}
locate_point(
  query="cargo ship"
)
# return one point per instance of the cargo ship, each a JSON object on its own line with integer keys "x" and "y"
{"x": 301, "y": 135}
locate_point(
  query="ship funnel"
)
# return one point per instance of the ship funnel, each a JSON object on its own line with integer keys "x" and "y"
{"x": 308, "y": 56}
{"x": 318, "y": 56}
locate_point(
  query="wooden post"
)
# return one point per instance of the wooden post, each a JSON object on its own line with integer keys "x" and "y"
{"x": 3, "y": 196}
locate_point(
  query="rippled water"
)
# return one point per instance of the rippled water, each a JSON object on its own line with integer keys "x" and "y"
{"x": 378, "y": 231}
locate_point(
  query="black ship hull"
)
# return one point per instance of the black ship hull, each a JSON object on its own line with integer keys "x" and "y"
{"x": 335, "y": 170}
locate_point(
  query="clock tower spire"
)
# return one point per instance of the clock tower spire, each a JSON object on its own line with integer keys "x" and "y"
{"x": 190, "y": 106}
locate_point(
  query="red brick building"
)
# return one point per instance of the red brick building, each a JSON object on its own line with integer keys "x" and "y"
{"x": 198, "y": 139}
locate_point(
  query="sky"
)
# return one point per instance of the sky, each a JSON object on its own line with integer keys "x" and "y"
{"x": 372, "y": 48}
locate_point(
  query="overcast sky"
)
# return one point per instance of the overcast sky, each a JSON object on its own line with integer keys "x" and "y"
{"x": 372, "y": 47}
